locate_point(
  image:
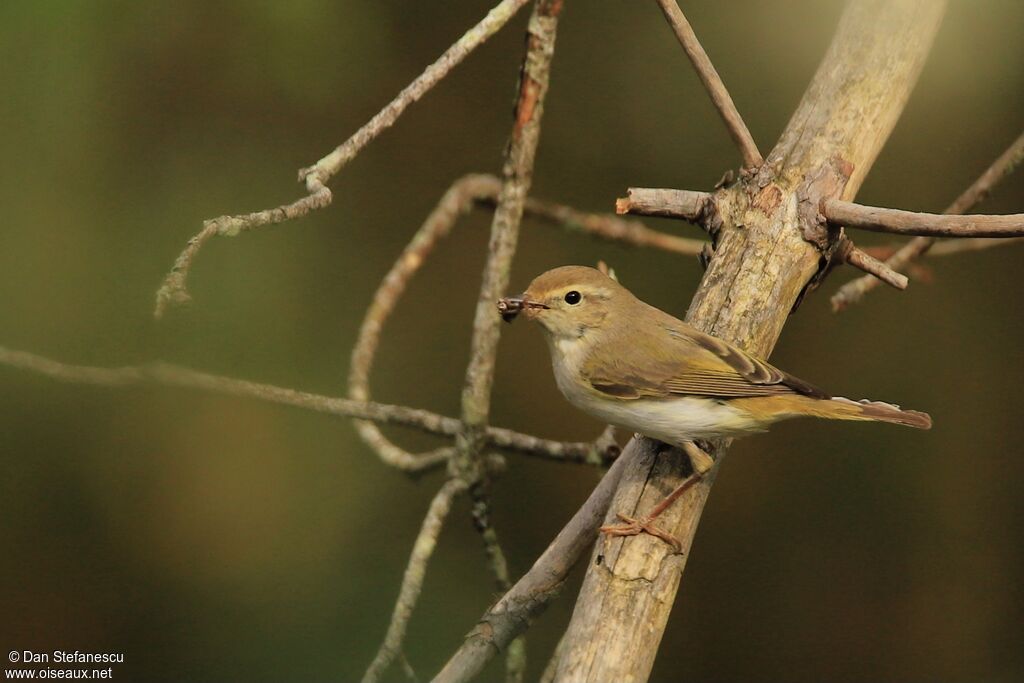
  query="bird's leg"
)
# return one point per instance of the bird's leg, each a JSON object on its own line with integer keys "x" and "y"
{"x": 701, "y": 463}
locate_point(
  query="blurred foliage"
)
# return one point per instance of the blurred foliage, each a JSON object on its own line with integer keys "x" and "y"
{"x": 211, "y": 538}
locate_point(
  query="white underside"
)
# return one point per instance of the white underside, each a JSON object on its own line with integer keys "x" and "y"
{"x": 673, "y": 420}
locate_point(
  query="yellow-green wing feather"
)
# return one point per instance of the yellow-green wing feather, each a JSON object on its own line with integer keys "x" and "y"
{"x": 677, "y": 359}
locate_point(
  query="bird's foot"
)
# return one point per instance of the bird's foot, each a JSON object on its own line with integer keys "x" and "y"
{"x": 633, "y": 526}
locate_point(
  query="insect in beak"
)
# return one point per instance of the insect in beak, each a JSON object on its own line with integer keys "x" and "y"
{"x": 511, "y": 306}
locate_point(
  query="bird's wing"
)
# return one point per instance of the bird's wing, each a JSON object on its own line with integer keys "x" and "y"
{"x": 680, "y": 360}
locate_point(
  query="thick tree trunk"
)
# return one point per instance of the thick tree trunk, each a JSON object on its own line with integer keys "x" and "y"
{"x": 771, "y": 243}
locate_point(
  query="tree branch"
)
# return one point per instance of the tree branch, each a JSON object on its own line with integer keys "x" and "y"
{"x": 898, "y": 222}
{"x": 174, "y": 290}
{"x": 468, "y": 463}
{"x": 769, "y": 247}
{"x": 612, "y": 228}
{"x": 950, "y": 247}
{"x": 854, "y": 291}
{"x": 860, "y": 259}
{"x": 513, "y": 613}
{"x": 712, "y": 83}
{"x": 599, "y": 451}
{"x": 644, "y": 201}
{"x": 412, "y": 581}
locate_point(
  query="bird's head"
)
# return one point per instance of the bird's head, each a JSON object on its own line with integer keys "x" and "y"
{"x": 568, "y": 301}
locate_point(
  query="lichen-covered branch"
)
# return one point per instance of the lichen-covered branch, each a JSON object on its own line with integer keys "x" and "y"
{"x": 599, "y": 451}
{"x": 899, "y": 222}
{"x": 412, "y": 581}
{"x": 712, "y": 83}
{"x": 174, "y": 288}
{"x": 854, "y": 291}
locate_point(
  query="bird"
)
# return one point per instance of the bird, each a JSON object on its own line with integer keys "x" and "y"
{"x": 639, "y": 368}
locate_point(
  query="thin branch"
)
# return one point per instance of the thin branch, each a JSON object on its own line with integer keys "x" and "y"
{"x": 162, "y": 373}
{"x": 613, "y": 228}
{"x": 981, "y": 188}
{"x": 412, "y": 581}
{"x": 456, "y": 201}
{"x": 517, "y": 175}
{"x": 513, "y": 613}
{"x": 854, "y": 291}
{"x": 645, "y": 201}
{"x": 410, "y": 673}
{"x": 515, "y": 656}
{"x": 712, "y": 83}
{"x": 950, "y": 247}
{"x": 860, "y": 259}
{"x": 174, "y": 288}
{"x": 898, "y": 222}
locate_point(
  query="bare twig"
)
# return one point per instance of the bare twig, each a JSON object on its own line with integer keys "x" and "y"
{"x": 712, "y": 83}
{"x": 860, "y": 259}
{"x": 412, "y": 582}
{"x": 950, "y": 247}
{"x": 898, "y": 222}
{"x": 612, "y": 228}
{"x": 645, "y": 201}
{"x": 854, "y": 291}
{"x": 598, "y": 451}
{"x": 517, "y": 175}
{"x": 514, "y": 611}
{"x": 174, "y": 289}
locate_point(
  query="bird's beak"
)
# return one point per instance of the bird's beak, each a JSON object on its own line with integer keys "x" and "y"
{"x": 511, "y": 306}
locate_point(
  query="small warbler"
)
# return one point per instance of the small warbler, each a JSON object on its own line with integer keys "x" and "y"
{"x": 636, "y": 367}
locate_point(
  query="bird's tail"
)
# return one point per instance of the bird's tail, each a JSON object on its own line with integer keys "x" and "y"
{"x": 772, "y": 408}
{"x": 844, "y": 409}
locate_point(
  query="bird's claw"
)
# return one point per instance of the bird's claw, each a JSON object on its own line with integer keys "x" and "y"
{"x": 633, "y": 526}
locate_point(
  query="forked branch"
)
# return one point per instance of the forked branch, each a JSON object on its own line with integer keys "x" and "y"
{"x": 853, "y": 291}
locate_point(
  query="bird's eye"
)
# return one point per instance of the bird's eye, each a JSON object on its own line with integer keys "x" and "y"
{"x": 572, "y": 298}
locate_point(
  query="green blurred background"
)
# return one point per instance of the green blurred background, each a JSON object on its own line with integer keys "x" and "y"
{"x": 211, "y": 538}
